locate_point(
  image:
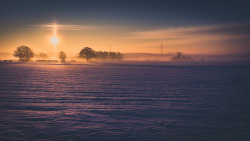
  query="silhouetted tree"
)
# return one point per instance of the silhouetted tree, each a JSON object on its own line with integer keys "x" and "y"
{"x": 102, "y": 55}
{"x": 87, "y": 53}
{"x": 42, "y": 55}
{"x": 62, "y": 56}
{"x": 24, "y": 53}
{"x": 112, "y": 55}
{"x": 99, "y": 55}
{"x": 119, "y": 56}
{"x": 105, "y": 55}
{"x": 181, "y": 58}
{"x": 115, "y": 56}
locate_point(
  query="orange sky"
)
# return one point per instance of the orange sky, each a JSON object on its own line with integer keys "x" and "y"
{"x": 190, "y": 27}
{"x": 72, "y": 38}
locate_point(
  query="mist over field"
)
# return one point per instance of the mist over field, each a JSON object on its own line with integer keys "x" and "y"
{"x": 239, "y": 57}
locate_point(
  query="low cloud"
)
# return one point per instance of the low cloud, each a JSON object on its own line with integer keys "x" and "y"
{"x": 183, "y": 33}
{"x": 69, "y": 27}
{"x": 199, "y": 39}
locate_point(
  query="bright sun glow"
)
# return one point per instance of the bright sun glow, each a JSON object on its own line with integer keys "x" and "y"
{"x": 54, "y": 40}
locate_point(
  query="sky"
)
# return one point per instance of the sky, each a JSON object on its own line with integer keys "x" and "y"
{"x": 127, "y": 26}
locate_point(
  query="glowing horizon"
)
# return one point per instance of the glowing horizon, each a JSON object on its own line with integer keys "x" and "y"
{"x": 137, "y": 30}
{"x": 190, "y": 40}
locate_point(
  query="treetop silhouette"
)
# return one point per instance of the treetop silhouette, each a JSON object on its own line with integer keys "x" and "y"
{"x": 24, "y": 53}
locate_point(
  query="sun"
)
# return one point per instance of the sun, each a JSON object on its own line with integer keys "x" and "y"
{"x": 54, "y": 40}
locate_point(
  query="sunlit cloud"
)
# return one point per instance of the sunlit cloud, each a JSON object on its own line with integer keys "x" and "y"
{"x": 200, "y": 39}
{"x": 65, "y": 27}
{"x": 183, "y": 33}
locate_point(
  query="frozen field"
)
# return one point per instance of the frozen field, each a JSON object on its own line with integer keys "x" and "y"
{"x": 128, "y": 101}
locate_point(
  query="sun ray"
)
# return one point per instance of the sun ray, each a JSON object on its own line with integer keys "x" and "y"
{"x": 54, "y": 40}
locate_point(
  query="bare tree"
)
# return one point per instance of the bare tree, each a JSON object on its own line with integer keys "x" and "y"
{"x": 62, "y": 56}
{"x": 42, "y": 55}
{"x": 182, "y": 58}
{"x": 115, "y": 56}
{"x": 87, "y": 53}
{"x": 24, "y": 53}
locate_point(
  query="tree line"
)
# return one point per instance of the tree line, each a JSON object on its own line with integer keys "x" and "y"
{"x": 25, "y": 54}
{"x": 88, "y": 53}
